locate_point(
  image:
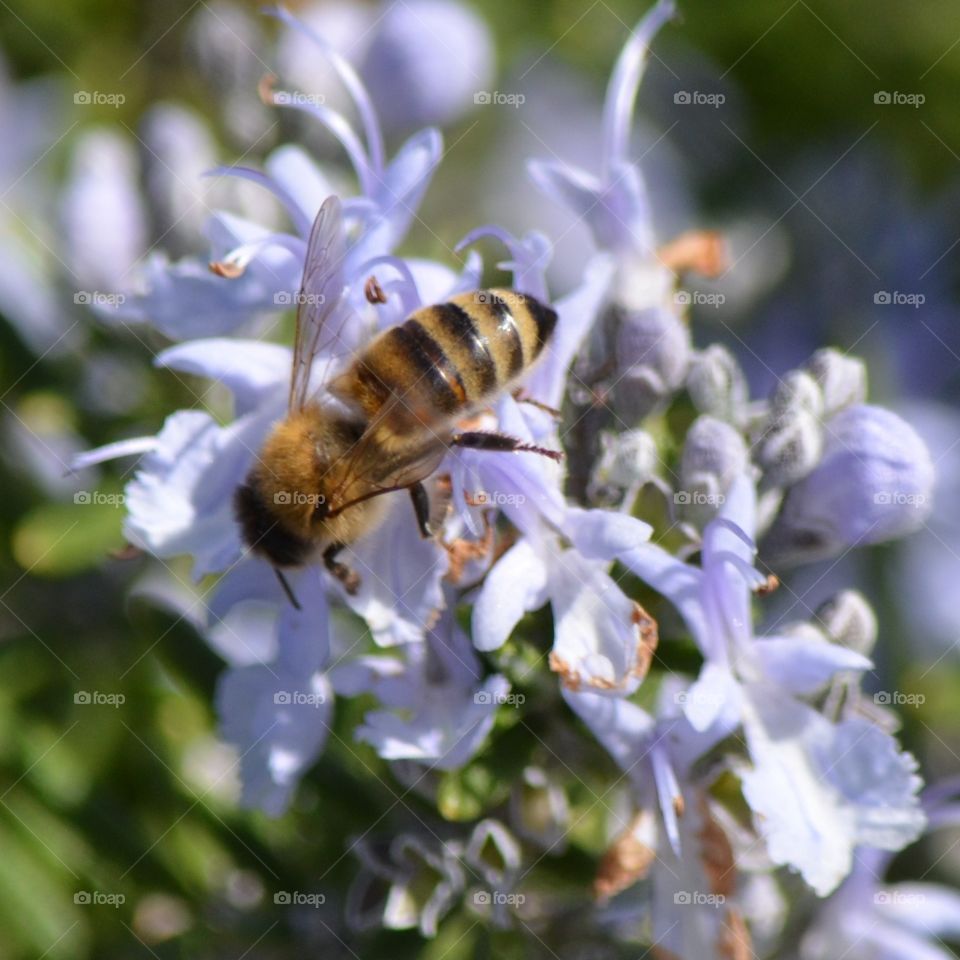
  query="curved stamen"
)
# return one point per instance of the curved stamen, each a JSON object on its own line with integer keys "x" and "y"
{"x": 354, "y": 85}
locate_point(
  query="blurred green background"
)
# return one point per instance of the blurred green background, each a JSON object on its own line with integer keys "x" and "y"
{"x": 133, "y": 798}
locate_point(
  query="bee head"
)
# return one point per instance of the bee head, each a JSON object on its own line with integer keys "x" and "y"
{"x": 264, "y": 531}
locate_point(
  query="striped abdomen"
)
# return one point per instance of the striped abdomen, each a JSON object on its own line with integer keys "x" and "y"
{"x": 445, "y": 359}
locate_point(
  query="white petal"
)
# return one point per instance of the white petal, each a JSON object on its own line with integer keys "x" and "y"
{"x": 818, "y": 789}
{"x": 516, "y": 585}
{"x": 598, "y": 641}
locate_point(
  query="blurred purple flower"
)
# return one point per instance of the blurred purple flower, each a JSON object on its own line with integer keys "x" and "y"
{"x": 874, "y": 482}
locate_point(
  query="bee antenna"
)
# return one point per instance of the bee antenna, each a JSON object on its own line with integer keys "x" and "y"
{"x": 286, "y": 588}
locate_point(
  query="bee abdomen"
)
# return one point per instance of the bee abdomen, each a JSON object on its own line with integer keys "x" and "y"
{"x": 492, "y": 336}
{"x": 449, "y": 357}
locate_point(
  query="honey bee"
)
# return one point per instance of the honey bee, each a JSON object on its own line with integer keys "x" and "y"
{"x": 384, "y": 422}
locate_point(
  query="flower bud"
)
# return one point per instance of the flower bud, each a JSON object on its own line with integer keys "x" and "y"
{"x": 792, "y": 440}
{"x": 842, "y": 379}
{"x": 874, "y": 483}
{"x": 428, "y": 62}
{"x": 627, "y": 461}
{"x": 848, "y": 619}
{"x": 714, "y": 454}
{"x": 717, "y": 385}
{"x": 652, "y": 354}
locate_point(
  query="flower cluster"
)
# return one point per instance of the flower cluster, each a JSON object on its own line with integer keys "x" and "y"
{"x": 758, "y": 751}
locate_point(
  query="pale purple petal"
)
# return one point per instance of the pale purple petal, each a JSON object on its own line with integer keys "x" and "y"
{"x": 400, "y": 572}
{"x": 576, "y": 312}
{"x": 278, "y": 721}
{"x": 804, "y": 666}
{"x": 252, "y": 370}
{"x": 180, "y": 500}
{"x": 621, "y": 726}
{"x": 132, "y": 447}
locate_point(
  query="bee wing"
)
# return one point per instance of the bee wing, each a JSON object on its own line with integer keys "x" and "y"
{"x": 393, "y": 470}
{"x": 320, "y": 299}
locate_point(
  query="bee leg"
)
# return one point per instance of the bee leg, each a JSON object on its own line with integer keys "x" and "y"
{"x": 421, "y": 507}
{"x": 520, "y": 397}
{"x": 349, "y": 578}
{"x": 500, "y": 443}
